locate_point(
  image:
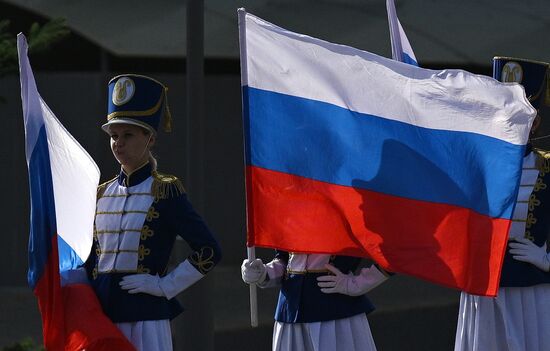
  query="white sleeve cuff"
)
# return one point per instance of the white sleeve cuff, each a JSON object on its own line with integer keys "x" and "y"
{"x": 275, "y": 272}
{"x": 182, "y": 277}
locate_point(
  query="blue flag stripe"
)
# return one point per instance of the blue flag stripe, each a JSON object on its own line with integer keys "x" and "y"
{"x": 43, "y": 225}
{"x": 328, "y": 143}
{"x": 409, "y": 60}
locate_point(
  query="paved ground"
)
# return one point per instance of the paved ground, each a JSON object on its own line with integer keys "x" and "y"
{"x": 411, "y": 315}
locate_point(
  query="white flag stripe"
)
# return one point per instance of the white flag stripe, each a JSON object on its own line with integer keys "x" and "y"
{"x": 350, "y": 78}
{"x": 75, "y": 175}
{"x": 405, "y": 45}
{"x": 396, "y": 49}
{"x": 75, "y": 178}
{"x": 31, "y": 101}
{"x": 399, "y": 41}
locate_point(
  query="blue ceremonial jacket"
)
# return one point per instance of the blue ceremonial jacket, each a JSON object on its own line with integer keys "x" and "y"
{"x": 137, "y": 219}
{"x": 301, "y": 299}
{"x": 537, "y": 228}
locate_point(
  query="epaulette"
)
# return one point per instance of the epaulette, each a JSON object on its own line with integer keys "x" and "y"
{"x": 543, "y": 160}
{"x": 101, "y": 187}
{"x": 166, "y": 186}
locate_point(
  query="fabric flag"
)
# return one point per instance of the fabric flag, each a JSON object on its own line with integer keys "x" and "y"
{"x": 351, "y": 153}
{"x": 401, "y": 49}
{"x": 63, "y": 180}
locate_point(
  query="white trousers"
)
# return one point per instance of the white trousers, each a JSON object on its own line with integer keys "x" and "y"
{"x": 148, "y": 335}
{"x": 346, "y": 334}
{"x": 518, "y": 319}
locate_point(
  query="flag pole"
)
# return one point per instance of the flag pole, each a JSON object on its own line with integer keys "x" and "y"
{"x": 251, "y": 250}
{"x": 253, "y": 293}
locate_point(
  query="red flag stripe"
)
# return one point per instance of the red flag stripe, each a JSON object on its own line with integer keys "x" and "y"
{"x": 414, "y": 237}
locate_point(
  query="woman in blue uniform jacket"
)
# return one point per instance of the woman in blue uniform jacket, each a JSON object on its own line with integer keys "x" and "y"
{"x": 138, "y": 215}
{"x": 322, "y": 303}
{"x": 518, "y": 319}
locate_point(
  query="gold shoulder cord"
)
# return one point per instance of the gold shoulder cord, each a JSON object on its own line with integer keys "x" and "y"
{"x": 101, "y": 188}
{"x": 543, "y": 161}
{"x": 166, "y": 186}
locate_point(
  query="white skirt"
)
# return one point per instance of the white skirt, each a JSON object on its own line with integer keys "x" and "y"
{"x": 148, "y": 335}
{"x": 518, "y": 319}
{"x": 347, "y": 334}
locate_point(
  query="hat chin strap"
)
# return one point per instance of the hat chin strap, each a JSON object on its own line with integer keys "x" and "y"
{"x": 146, "y": 145}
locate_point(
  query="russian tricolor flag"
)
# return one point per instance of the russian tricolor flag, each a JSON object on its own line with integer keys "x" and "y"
{"x": 63, "y": 181}
{"x": 401, "y": 49}
{"x": 351, "y": 153}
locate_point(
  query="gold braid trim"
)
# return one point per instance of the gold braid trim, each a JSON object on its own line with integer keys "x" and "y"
{"x": 543, "y": 160}
{"x": 166, "y": 186}
{"x": 101, "y": 188}
{"x": 203, "y": 259}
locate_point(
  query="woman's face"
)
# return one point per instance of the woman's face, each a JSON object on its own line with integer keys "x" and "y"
{"x": 130, "y": 145}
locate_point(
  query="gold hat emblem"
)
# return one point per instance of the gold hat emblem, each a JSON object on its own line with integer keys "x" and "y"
{"x": 512, "y": 72}
{"x": 123, "y": 91}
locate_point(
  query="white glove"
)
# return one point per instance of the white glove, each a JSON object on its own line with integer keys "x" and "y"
{"x": 525, "y": 250}
{"x": 253, "y": 272}
{"x": 182, "y": 277}
{"x": 349, "y": 284}
{"x": 142, "y": 283}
